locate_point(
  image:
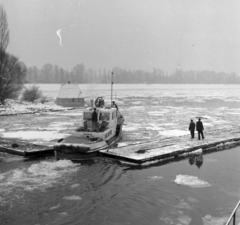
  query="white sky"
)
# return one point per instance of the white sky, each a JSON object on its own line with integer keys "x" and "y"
{"x": 131, "y": 34}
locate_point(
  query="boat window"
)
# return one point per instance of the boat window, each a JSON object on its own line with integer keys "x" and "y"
{"x": 87, "y": 116}
{"x": 104, "y": 116}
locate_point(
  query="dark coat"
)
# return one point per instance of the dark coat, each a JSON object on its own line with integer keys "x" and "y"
{"x": 94, "y": 116}
{"x": 199, "y": 126}
{"x": 192, "y": 126}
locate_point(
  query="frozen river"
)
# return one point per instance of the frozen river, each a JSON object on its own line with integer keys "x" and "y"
{"x": 201, "y": 190}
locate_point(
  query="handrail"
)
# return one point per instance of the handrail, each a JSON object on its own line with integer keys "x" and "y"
{"x": 233, "y": 215}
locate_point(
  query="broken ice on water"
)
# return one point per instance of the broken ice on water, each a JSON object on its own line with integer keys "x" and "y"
{"x": 191, "y": 181}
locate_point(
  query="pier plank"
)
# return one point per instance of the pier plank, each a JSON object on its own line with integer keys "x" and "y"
{"x": 24, "y": 148}
{"x": 173, "y": 147}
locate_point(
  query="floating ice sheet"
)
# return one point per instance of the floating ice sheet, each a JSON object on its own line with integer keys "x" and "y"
{"x": 38, "y": 176}
{"x": 31, "y": 135}
{"x": 190, "y": 181}
{"x": 72, "y": 197}
{"x": 155, "y": 178}
{"x": 171, "y": 133}
{"x": 209, "y": 220}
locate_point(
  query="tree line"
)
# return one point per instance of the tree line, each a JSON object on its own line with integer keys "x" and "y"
{"x": 80, "y": 74}
{"x": 12, "y": 71}
{"x": 14, "y": 74}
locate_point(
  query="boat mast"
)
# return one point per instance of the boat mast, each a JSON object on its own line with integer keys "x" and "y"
{"x": 111, "y": 87}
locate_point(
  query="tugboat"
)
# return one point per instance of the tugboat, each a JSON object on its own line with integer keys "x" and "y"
{"x": 92, "y": 136}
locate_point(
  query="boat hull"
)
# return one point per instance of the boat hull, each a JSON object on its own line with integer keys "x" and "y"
{"x": 79, "y": 152}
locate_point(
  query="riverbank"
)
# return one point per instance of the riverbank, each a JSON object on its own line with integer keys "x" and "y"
{"x": 16, "y": 107}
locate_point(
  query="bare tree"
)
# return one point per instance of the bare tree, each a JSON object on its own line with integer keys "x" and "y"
{"x": 12, "y": 72}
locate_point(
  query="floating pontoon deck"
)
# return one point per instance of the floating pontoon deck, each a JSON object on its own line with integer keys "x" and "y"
{"x": 139, "y": 153}
{"x": 173, "y": 147}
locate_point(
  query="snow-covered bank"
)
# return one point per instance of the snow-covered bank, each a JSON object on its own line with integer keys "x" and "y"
{"x": 16, "y": 107}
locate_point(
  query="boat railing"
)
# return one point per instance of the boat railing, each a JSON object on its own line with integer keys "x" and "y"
{"x": 232, "y": 218}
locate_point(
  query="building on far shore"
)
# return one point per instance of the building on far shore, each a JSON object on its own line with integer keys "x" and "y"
{"x": 70, "y": 95}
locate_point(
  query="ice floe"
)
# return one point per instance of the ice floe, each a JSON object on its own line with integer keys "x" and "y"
{"x": 75, "y": 185}
{"x": 157, "y": 113}
{"x": 155, "y": 178}
{"x": 129, "y": 128}
{"x": 209, "y": 220}
{"x": 183, "y": 205}
{"x": 72, "y": 197}
{"x": 180, "y": 220}
{"x": 31, "y": 135}
{"x": 38, "y": 176}
{"x": 54, "y": 207}
{"x": 190, "y": 181}
{"x": 171, "y": 133}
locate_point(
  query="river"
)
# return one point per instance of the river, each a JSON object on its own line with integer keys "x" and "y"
{"x": 103, "y": 191}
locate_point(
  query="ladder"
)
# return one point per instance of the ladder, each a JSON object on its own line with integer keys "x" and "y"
{"x": 232, "y": 218}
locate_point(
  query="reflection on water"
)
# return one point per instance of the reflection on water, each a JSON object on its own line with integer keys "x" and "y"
{"x": 196, "y": 160}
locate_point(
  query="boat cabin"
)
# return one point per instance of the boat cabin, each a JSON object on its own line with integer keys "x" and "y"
{"x": 106, "y": 125}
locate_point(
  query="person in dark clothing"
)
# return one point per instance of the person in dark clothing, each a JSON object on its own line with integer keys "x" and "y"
{"x": 94, "y": 119}
{"x": 114, "y": 105}
{"x": 200, "y": 129}
{"x": 192, "y": 128}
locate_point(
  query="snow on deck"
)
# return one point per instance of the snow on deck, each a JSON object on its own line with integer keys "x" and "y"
{"x": 170, "y": 147}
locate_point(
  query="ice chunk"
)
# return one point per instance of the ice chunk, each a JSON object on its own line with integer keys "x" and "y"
{"x": 191, "y": 181}
{"x": 175, "y": 133}
{"x": 184, "y": 220}
{"x": 72, "y": 197}
{"x": 183, "y": 205}
{"x": 129, "y": 128}
{"x": 155, "y": 178}
{"x": 209, "y": 220}
{"x": 54, "y": 207}
{"x": 74, "y": 185}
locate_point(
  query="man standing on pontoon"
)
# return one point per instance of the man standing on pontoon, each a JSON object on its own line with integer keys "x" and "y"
{"x": 192, "y": 128}
{"x": 200, "y": 129}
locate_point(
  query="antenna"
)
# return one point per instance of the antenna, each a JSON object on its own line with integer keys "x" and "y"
{"x": 111, "y": 87}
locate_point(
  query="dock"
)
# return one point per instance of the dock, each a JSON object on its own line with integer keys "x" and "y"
{"x": 24, "y": 148}
{"x": 161, "y": 149}
{"x": 174, "y": 147}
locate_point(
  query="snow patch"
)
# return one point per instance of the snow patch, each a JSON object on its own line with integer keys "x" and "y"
{"x": 196, "y": 152}
{"x": 122, "y": 144}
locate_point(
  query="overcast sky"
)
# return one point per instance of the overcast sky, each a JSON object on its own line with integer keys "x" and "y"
{"x": 131, "y": 34}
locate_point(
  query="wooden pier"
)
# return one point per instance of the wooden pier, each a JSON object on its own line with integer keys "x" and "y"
{"x": 158, "y": 149}
{"x": 24, "y": 148}
{"x": 173, "y": 147}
